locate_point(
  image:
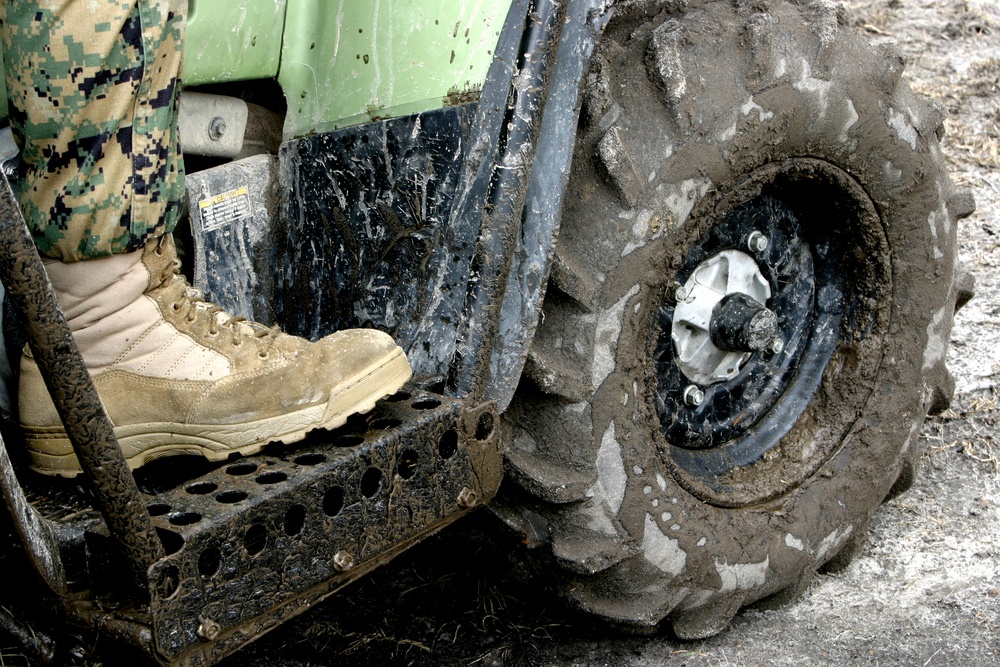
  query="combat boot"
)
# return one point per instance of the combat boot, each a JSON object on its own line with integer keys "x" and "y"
{"x": 179, "y": 375}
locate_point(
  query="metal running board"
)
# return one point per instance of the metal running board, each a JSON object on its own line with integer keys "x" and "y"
{"x": 260, "y": 539}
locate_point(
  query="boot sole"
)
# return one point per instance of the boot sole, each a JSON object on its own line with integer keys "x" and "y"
{"x": 142, "y": 443}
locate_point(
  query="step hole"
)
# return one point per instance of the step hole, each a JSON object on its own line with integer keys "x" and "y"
{"x": 407, "y": 466}
{"x": 202, "y": 488}
{"x": 242, "y": 469}
{"x": 484, "y": 426}
{"x": 255, "y": 539}
{"x": 231, "y": 497}
{"x": 448, "y": 445}
{"x": 271, "y": 477}
{"x": 209, "y": 562}
{"x": 158, "y": 509}
{"x": 356, "y": 423}
{"x": 185, "y": 519}
{"x": 309, "y": 459}
{"x": 385, "y": 424}
{"x": 348, "y": 441}
{"x": 295, "y": 520}
{"x": 172, "y": 542}
{"x": 371, "y": 482}
{"x": 333, "y": 501}
{"x": 399, "y": 397}
{"x": 426, "y": 404}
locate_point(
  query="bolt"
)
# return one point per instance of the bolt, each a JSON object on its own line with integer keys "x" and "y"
{"x": 757, "y": 242}
{"x": 343, "y": 561}
{"x": 776, "y": 346}
{"x": 216, "y": 128}
{"x": 467, "y": 498}
{"x": 693, "y": 395}
{"x": 680, "y": 294}
{"x": 209, "y": 630}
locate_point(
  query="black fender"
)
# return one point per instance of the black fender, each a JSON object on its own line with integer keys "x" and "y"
{"x": 438, "y": 228}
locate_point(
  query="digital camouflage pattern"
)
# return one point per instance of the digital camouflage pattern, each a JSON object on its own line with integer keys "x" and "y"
{"x": 93, "y": 87}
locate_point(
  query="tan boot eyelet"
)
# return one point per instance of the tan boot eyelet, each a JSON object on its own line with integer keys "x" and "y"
{"x": 263, "y": 355}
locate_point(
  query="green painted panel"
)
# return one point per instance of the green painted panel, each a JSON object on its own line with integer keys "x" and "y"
{"x": 227, "y": 40}
{"x": 344, "y": 62}
{"x": 351, "y": 61}
{"x": 232, "y": 40}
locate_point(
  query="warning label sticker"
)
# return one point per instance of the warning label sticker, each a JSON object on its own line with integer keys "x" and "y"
{"x": 222, "y": 209}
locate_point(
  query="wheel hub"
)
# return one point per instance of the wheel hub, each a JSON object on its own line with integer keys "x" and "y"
{"x": 721, "y": 317}
{"x": 731, "y": 333}
{"x": 742, "y": 324}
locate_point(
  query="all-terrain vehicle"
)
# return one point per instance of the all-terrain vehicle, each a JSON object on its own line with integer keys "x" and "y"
{"x": 681, "y": 273}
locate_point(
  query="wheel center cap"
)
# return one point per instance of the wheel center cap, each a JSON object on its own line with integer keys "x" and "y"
{"x": 721, "y": 319}
{"x": 741, "y": 324}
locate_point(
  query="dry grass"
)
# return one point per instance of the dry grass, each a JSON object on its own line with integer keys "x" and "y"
{"x": 872, "y": 16}
{"x": 970, "y": 429}
{"x": 984, "y": 78}
{"x": 972, "y": 146}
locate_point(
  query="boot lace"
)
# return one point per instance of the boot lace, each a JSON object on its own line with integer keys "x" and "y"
{"x": 192, "y": 304}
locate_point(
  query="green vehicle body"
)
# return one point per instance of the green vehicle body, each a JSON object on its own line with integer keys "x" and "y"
{"x": 381, "y": 58}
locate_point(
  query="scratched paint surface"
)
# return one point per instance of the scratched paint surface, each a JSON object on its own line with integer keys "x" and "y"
{"x": 346, "y": 62}
{"x": 342, "y": 62}
{"x": 232, "y": 40}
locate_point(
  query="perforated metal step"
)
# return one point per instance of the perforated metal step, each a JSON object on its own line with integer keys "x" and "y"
{"x": 260, "y": 539}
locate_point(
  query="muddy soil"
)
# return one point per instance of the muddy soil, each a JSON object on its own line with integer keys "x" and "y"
{"x": 925, "y": 590}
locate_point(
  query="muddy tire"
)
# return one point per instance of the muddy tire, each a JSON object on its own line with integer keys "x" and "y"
{"x": 672, "y": 468}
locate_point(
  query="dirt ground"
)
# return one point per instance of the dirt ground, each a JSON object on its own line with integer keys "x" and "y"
{"x": 926, "y": 589}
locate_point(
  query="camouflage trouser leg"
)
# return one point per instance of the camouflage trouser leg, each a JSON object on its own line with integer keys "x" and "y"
{"x": 93, "y": 94}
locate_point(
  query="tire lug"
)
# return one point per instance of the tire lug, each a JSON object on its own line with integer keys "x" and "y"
{"x": 757, "y": 242}
{"x": 694, "y": 395}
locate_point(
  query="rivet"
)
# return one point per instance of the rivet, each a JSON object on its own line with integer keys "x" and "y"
{"x": 467, "y": 498}
{"x": 208, "y": 630}
{"x": 343, "y": 561}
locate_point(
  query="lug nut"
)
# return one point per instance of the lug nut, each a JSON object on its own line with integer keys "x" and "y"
{"x": 680, "y": 294}
{"x": 693, "y": 395}
{"x": 776, "y": 346}
{"x": 757, "y": 242}
{"x": 343, "y": 561}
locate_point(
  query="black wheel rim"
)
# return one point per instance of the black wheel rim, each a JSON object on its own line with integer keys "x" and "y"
{"x": 740, "y": 419}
